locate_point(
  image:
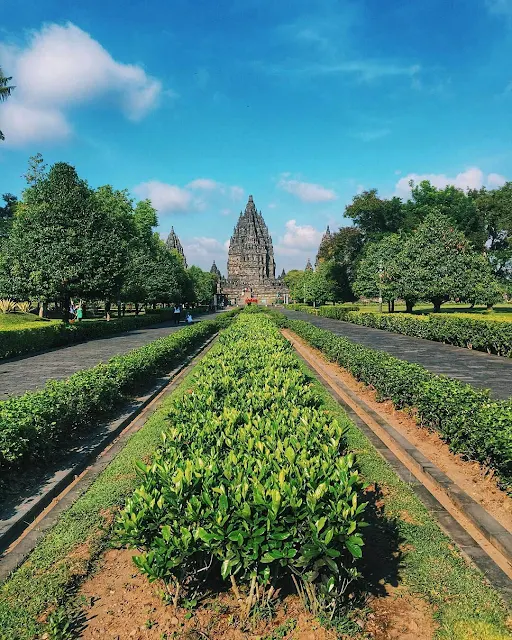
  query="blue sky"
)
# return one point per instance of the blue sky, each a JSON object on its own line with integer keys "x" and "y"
{"x": 302, "y": 104}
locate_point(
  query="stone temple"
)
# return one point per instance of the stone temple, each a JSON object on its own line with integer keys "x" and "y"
{"x": 251, "y": 264}
{"x": 173, "y": 242}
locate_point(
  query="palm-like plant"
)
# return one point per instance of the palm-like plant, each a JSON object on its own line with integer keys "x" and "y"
{"x": 5, "y": 91}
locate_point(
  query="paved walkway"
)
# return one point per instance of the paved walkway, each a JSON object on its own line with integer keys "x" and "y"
{"x": 28, "y": 373}
{"x": 473, "y": 367}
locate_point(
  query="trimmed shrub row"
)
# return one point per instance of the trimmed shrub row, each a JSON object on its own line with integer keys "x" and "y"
{"x": 491, "y": 336}
{"x": 18, "y": 342}
{"x": 33, "y": 426}
{"x": 467, "y": 418}
{"x": 252, "y": 480}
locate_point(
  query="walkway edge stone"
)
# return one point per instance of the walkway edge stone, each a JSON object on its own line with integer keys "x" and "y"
{"x": 28, "y": 511}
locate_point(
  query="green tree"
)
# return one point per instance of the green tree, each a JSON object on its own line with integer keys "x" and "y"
{"x": 436, "y": 263}
{"x": 375, "y": 269}
{"x": 343, "y": 250}
{"x": 294, "y": 280}
{"x": 374, "y": 215}
{"x": 63, "y": 244}
{"x": 452, "y": 202}
{"x": 204, "y": 285}
{"x": 7, "y": 215}
{"x": 5, "y": 91}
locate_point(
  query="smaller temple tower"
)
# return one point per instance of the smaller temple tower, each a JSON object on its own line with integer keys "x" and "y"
{"x": 309, "y": 266}
{"x": 216, "y": 271}
{"x": 173, "y": 242}
{"x": 326, "y": 239}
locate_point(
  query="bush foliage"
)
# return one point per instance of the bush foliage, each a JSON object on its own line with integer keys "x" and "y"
{"x": 467, "y": 418}
{"x": 32, "y": 426}
{"x": 42, "y": 335}
{"x": 252, "y": 479}
{"x": 491, "y": 336}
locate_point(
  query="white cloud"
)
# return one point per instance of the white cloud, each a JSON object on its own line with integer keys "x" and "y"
{"x": 495, "y": 180}
{"x": 237, "y": 193}
{"x": 200, "y": 194}
{"x": 166, "y": 198}
{"x": 306, "y": 191}
{"x": 23, "y": 124}
{"x": 63, "y": 66}
{"x": 472, "y": 178}
{"x": 298, "y": 237}
{"x": 202, "y": 251}
{"x": 203, "y": 183}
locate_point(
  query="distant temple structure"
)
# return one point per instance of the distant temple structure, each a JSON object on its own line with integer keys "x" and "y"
{"x": 173, "y": 242}
{"x": 326, "y": 239}
{"x": 216, "y": 271}
{"x": 251, "y": 264}
{"x": 309, "y": 266}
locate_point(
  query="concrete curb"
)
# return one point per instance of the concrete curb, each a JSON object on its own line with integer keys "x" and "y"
{"x": 493, "y": 531}
{"x": 13, "y": 527}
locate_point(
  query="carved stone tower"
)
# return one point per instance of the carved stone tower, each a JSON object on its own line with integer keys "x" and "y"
{"x": 173, "y": 242}
{"x": 251, "y": 264}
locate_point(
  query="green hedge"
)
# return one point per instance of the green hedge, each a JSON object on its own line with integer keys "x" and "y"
{"x": 491, "y": 336}
{"x": 467, "y": 418}
{"x": 252, "y": 478}
{"x": 19, "y": 342}
{"x": 329, "y": 311}
{"x": 33, "y": 426}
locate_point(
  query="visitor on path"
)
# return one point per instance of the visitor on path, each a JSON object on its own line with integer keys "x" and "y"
{"x": 79, "y": 313}
{"x": 189, "y": 318}
{"x": 177, "y": 314}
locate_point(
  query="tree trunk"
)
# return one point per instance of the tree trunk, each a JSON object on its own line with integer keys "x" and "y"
{"x": 389, "y": 306}
{"x": 136, "y": 308}
{"x": 107, "y": 310}
{"x": 489, "y": 306}
{"x": 437, "y": 302}
{"x": 66, "y": 301}
{"x": 119, "y": 308}
{"x": 392, "y": 306}
{"x": 472, "y": 305}
{"x": 409, "y": 304}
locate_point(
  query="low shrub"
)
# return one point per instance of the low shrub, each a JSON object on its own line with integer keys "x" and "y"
{"x": 45, "y": 335}
{"x": 491, "y": 336}
{"x": 32, "y": 426}
{"x": 467, "y": 418}
{"x": 252, "y": 480}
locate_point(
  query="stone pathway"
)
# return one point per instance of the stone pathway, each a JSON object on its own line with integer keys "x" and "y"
{"x": 479, "y": 369}
{"x": 28, "y": 373}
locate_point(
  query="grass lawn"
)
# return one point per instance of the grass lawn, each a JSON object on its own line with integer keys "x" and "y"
{"x": 428, "y": 565}
{"x": 17, "y": 321}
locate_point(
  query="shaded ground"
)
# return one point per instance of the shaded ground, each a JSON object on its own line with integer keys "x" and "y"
{"x": 32, "y": 372}
{"x": 481, "y": 370}
{"x": 123, "y": 605}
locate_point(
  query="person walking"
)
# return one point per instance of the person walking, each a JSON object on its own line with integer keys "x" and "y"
{"x": 177, "y": 314}
{"x": 79, "y": 313}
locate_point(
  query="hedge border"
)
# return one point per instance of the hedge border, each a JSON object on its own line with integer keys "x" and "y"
{"x": 470, "y": 422}
{"x": 491, "y": 336}
{"x": 33, "y": 425}
{"x": 19, "y": 342}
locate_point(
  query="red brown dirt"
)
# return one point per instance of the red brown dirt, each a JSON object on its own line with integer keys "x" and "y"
{"x": 125, "y": 606}
{"x": 470, "y": 476}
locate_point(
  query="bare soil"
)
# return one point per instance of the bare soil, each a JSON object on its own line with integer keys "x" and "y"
{"x": 124, "y": 605}
{"x": 478, "y": 482}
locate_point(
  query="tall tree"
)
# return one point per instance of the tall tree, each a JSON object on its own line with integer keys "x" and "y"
{"x": 204, "y": 285}
{"x": 342, "y": 249}
{"x": 5, "y": 91}
{"x": 62, "y": 243}
{"x": 376, "y": 268}
{"x": 437, "y": 263}
{"x": 374, "y": 215}
{"x": 456, "y": 204}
